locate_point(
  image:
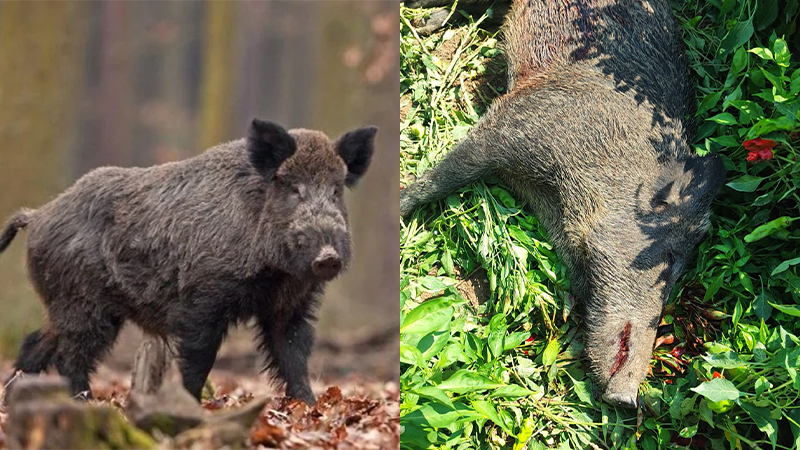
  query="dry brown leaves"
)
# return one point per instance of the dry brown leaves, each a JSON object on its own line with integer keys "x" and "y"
{"x": 335, "y": 422}
{"x": 355, "y": 414}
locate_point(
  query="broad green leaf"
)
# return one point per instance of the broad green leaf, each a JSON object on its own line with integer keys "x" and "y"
{"x": 430, "y": 316}
{"x": 738, "y": 36}
{"x": 717, "y": 390}
{"x": 761, "y": 305}
{"x": 781, "y": 53}
{"x": 724, "y": 119}
{"x": 727, "y": 360}
{"x": 793, "y": 310}
{"x": 433, "y": 284}
{"x": 761, "y": 52}
{"x": 550, "y": 353}
{"x": 745, "y": 183}
{"x": 765, "y": 423}
{"x": 709, "y": 101}
{"x": 511, "y": 390}
{"x": 411, "y": 355}
{"x": 525, "y": 433}
{"x": 739, "y": 60}
{"x": 435, "y": 394}
{"x": 785, "y": 265}
{"x": 466, "y": 380}
{"x": 488, "y": 410}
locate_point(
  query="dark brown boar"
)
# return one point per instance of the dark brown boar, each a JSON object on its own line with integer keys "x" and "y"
{"x": 249, "y": 229}
{"x": 593, "y": 136}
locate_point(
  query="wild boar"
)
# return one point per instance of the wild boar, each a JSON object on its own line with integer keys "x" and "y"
{"x": 252, "y": 228}
{"x": 594, "y": 135}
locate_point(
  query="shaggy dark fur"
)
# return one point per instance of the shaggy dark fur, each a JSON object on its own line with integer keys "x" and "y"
{"x": 592, "y": 136}
{"x": 251, "y": 228}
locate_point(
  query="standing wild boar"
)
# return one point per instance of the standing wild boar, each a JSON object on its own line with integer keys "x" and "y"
{"x": 249, "y": 229}
{"x": 592, "y": 136}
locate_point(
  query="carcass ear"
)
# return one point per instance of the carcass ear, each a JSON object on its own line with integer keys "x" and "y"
{"x": 695, "y": 179}
{"x": 269, "y": 145}
{"x": 356, "y": 148}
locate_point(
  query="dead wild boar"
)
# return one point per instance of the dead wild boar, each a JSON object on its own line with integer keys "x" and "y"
{"x": 253, "y": 228}
{"x": 593, "y": 135}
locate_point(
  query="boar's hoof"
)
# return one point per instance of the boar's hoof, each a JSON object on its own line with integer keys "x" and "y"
{"x": 624, "y": 399}
{"x": 327, "y": 265}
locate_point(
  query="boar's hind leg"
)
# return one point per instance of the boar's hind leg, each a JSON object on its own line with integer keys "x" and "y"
{"x": 288, "y": 344}
{"x": 199, "y": 338}
{"x": 36, "y": 353}
{"x": 466, "y": 163}
{"x": 81, "y": 343}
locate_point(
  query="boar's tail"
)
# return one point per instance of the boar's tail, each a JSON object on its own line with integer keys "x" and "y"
{"x": 20, "y": 219}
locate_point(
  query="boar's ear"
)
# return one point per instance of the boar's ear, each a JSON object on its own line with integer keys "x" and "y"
{"x": 269, "y": 145}
{"x": 356, "y": 148}
{"x": 694, "y": 179}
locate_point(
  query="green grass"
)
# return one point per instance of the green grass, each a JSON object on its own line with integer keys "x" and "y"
{"x": 505, "y": 372}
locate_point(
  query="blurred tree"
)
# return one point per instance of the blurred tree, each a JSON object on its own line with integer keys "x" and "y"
{"x": 219, "y": 74}
{"x": 353, "y": 39}
{"x": 42, "y": 60}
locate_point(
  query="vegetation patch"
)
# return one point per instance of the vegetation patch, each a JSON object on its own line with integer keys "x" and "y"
{"x": 506, "y": 371}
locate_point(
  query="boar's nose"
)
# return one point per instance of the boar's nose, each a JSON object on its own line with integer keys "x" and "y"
{"x": 623, "y": 399}
{"x": 327, "y": 264}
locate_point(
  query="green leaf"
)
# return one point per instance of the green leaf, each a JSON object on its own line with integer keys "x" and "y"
{"x": 739, "y": 60}
{"x": 429, "y": 316}
{"x": 487, "y": 410}
{"x": 761, "y": 52}
{"x": 717, "y": 390}
{"x": 761, "y": 305}
{"x": 785, "y": 265}
{"x": 550, "y": 353}
{"x": 465, "y": 381}
{"x": 584, "y": 390}
{"x": 745, "y": 183}
{"x": 447, "y": 262}
{"x": 688, "y": 432}
{"x": 434, "y": 393}
{"x": 723, "y": 118}
{"x": 762, "y": 385}
{"x": 727, "y": 360}
{"x": 765, "y": 15}
{"x": 790, "y": 310}
{"x": 411, "y": 355}
{"x": 432, "y": 284}
{"x": 781, "y": 52}
{"x": 738, "y": 36}
{"x": 511, "y": 390}
{"x": 709, "y": 101}
{"x": 765, "y": 423}
{"x": 525, "y": 433}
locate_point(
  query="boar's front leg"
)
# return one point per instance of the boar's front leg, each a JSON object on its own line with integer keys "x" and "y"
{"x": 200, "y": 335}
{"x": 288, "y": 344}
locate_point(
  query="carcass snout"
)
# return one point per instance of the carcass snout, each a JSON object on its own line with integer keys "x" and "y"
{"x": 624, "y": 399}
{"x": 327, "y": 264}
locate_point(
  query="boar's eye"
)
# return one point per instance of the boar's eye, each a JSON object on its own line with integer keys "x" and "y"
{"x": 670, "y": 257}
{"x": 674, "y": 262}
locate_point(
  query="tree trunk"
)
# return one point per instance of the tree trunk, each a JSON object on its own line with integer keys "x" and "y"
{"x": 42, "y": 60}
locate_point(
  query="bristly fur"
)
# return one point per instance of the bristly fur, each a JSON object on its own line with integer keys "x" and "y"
{"x": 187, "y": 249}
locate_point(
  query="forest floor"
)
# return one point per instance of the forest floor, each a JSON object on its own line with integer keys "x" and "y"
{"x": 352, "y": 411}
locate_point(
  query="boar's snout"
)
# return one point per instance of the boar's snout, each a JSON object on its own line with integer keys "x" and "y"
{"x": 327, "y": 264}
{"x": 623, "y": 399}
